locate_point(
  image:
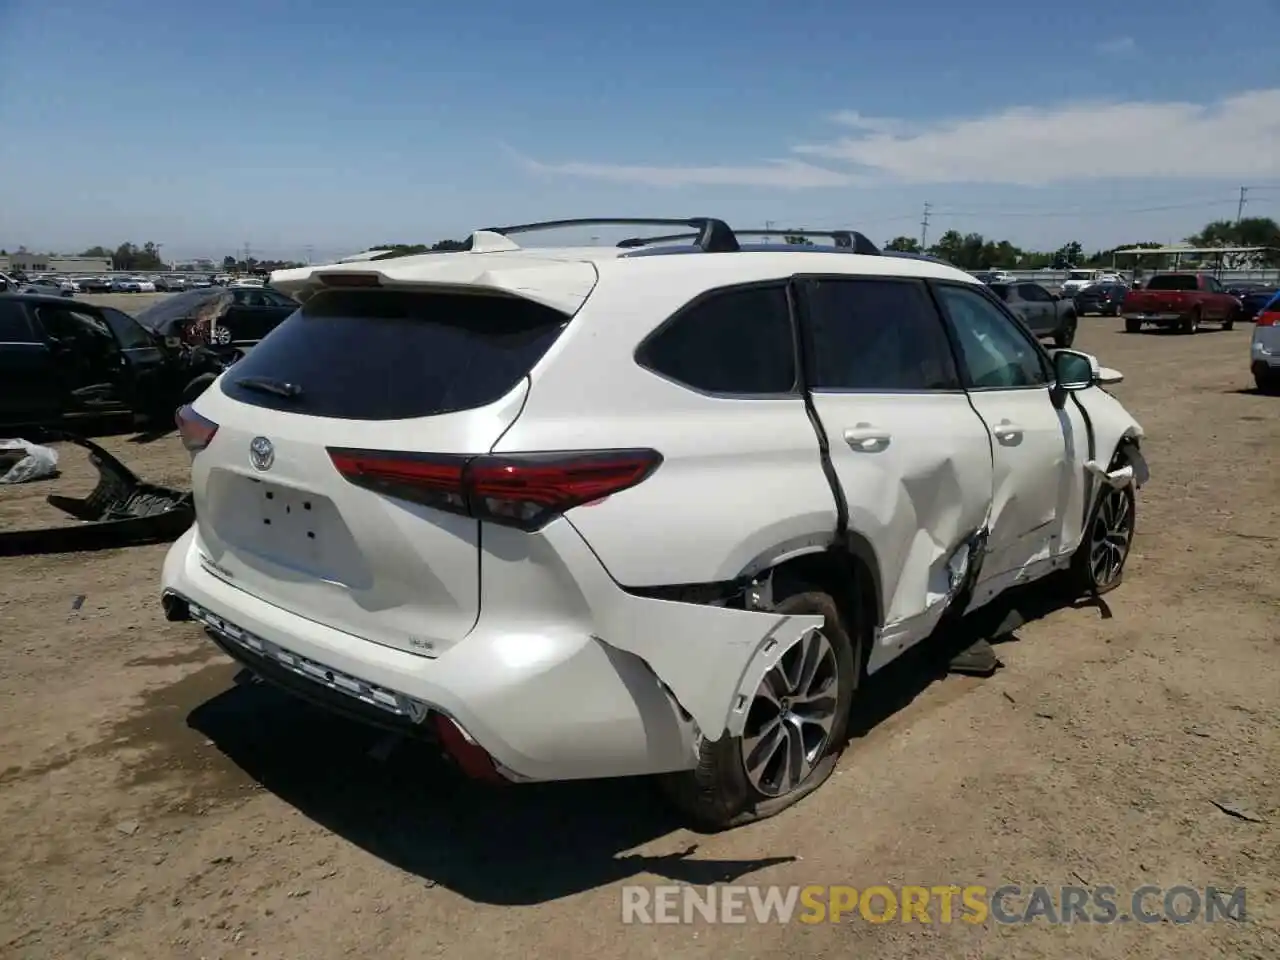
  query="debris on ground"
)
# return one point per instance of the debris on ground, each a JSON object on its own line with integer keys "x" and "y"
{"x": 34, "y": 462}
{"x": 1237, "y": 811}
{"x": 121, "y": 511}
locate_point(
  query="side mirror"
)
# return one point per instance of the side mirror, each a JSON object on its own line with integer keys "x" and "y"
{"x": 1073, "y": 370}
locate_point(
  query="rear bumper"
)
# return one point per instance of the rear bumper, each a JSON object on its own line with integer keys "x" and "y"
{"x": 545, "y": 702}
{"x": 1153, "y": 317}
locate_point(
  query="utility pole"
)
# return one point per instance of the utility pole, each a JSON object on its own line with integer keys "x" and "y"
{"x": 768, "y": 225}
{"x": 1240, "y": 205}
{"x": 924, "y": 227}
{"x": 309, "y": 251}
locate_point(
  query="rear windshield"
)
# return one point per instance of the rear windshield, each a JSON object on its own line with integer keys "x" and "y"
{"x": 391, "y": 355}
{"x": 1173, "y": 281}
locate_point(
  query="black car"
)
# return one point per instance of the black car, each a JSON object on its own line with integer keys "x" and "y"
{"x": 218, "y": 316}
{"x": 61, "y": 358}
{"x": 1253, "y": 300}
{"x": 1103, "y": 298}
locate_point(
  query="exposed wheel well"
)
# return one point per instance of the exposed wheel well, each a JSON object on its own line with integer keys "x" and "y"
{"x": 848, "y": 578}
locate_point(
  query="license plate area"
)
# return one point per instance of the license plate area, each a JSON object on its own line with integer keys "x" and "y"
{"x": 291, "y": 528}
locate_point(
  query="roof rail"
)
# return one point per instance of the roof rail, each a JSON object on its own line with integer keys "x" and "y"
{"x": 713, "y": 236}
{"x": 851, "y": 239}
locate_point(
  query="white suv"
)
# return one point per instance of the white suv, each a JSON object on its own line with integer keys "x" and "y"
{"x": 653, "y": 509}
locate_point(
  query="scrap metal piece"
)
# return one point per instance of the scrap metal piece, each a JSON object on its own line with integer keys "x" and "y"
{"x": 121, "y": 511}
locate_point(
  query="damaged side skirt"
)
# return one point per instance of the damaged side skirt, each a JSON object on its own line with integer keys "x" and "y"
{"x": 121, "y": 511}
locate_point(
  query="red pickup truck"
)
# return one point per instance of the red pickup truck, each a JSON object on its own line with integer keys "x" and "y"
{"x": 1181, "y": 300}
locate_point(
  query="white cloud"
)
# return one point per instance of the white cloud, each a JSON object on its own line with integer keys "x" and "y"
{"x": 1235, "y": 137}
{"x": 783, "y": 174}
{"x": 1118, "y": 46}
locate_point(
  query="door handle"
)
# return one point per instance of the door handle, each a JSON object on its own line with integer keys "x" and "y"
{"x": 864, "y": 438}
{"x": 1008, "y": 432}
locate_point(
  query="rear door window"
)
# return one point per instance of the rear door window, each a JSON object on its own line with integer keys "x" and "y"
{"x": 14, "y": 326}
{"x": 877, "y": 336}
{"x": 392, "y": 355}
{"x": 1173, "y": 281}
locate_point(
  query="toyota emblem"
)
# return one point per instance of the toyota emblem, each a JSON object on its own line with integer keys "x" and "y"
{"x": 261, "y": 453}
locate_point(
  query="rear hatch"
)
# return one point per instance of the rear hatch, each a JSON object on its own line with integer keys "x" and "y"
{"x": 420, "y": 372}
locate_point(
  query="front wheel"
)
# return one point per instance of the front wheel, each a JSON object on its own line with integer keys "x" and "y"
{"x": 1066, "y": 334}
{"x": 1190, "y": 323}
{"x": 1132, "y": 326}
{"x": 1099, "y": 561}
{"x": 795, "y": 728}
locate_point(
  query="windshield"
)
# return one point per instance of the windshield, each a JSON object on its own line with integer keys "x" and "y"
{"x": 1080, "y": 275}
{"x": 179, "y": 307}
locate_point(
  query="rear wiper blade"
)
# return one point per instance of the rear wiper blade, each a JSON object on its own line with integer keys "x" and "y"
{"x": 266, "y": 385}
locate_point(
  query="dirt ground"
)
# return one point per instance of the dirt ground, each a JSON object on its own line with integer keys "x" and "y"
{"x": 151, "y": 808}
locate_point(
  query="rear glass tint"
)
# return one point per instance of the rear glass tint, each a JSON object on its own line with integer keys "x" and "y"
{"x": 392, "y": 355}
{"x": 1173, "y": 281}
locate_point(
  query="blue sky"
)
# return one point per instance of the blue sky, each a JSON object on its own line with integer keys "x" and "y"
{"x": 335, "y": 126}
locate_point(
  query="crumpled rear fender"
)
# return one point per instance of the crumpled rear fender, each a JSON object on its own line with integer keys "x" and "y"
{"x": 709, "y": 658}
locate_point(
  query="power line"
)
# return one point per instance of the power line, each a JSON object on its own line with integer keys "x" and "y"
{"x": 1100, "y": 211}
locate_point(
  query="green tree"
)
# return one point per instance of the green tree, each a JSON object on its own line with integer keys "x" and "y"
{"x": 96, "y": 252}
{"x": 797, "y": 239}
{"x": 446, "y": 245}
{"x": 1249, "y": 232}
{"x": 1068, "y": 255}
{"x": 947, "y": 247}
{"x": 904, "y": 245}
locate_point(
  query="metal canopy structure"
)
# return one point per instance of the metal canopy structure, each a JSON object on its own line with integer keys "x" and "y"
{"x": 1185, "y": 251}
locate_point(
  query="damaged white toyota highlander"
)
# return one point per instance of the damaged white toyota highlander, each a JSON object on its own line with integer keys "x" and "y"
{"x": 660, "y": 508}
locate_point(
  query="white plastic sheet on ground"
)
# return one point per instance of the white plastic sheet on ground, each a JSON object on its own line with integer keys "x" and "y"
{"x": 37, "y": 462}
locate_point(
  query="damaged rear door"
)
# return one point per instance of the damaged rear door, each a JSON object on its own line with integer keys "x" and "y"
{"x": 908, "y": 449}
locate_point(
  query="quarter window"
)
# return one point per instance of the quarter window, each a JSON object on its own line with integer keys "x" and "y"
{"x": 994, "y": 352}
{"x": 734, "y": 342}
{"x": 877, "y": 335}
{"x": 13, "y": 324}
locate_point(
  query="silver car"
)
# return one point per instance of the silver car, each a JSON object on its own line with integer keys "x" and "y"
{"x": 1045, "y": 314}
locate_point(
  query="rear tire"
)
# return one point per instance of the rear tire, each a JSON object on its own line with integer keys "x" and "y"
{"x": 1133, "y": 326}
{"x": 790, "y": 753}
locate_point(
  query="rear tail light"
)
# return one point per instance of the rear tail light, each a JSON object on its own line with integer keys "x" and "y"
{"x": 1269, "y": 319}
{"x": 525, "y": 491}
{"x": 196, "y": 431}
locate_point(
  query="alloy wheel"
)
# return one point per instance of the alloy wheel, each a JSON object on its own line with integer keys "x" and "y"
{"x": 791, "y": 715}
{"x": 1110, "y": 536}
